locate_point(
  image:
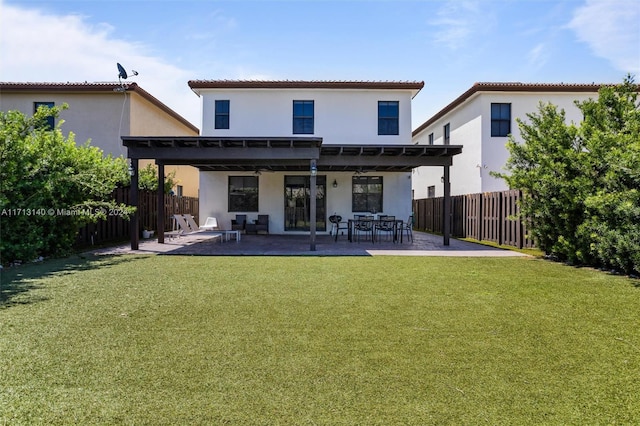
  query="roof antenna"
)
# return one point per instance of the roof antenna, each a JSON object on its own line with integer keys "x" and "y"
{"x": 122, "y": 75}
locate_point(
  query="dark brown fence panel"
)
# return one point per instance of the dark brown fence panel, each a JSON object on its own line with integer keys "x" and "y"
{"x": 438, "y": 205}
{"x": 473, "y": 210}
{"x": 511, "y": 225}
{"x": 490, "y": 216}
{"x": 457, "y": 216}
{"x": 116, "y": 228}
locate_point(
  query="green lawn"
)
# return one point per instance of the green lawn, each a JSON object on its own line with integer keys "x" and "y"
{"x": 317, "y": 340}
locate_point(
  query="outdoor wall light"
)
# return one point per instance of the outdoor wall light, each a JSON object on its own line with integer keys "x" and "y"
{"x": 335, "y": 183}
{"x": 314, "y": 168}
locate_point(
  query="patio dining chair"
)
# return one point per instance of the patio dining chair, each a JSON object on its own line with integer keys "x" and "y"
{"x": 363, "y": 226}
{"x": 336, "y": 225}
{"x": 386, "y": 225}
{"x": 407, "y": 228}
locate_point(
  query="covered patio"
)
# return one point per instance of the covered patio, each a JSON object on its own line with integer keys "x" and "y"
{"x": 207, "y": 243}
{"x": 282, "y": 155}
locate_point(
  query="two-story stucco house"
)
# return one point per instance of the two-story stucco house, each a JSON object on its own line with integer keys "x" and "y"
{"x": 481, "y": 119}
{"x": 102, "y": 113}
{"x": 339, "y": 113}
{"x": 265, "y": 143}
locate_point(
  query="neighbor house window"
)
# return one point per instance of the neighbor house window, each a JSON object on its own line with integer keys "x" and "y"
{"x": 243, "y": 193}
{"x": 447, "y": 133}
{"x": 366, "y": 194}
{"x": 180, "y": 190}
{"x": 430, "y": 138}
{"x": 50, "y": 120}
{"x": 388, "y": 114}
{"x": 303, "y": 117}
{"x": 431, "y": 191}
{"x": 222, "y": 114}
{"x": 500, "y": 119}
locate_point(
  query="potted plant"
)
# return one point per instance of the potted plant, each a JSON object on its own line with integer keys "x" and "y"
{"x": 147, "y": 233}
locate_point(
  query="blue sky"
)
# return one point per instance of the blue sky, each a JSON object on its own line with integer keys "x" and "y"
{"x": 447, "y": 44}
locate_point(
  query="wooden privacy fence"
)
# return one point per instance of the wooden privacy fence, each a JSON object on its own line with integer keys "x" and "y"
{"x": 115, "y": 227}
{"x": 490, "y": 216}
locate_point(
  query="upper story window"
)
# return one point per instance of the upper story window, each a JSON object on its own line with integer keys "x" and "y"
{"x": 303, "y": 117}
{"x": 366, "y": 192}
{"x": 447, "y": 133}
{"x": 50, "y": 123}
{"x": 430, "y": 138}
{"x": 388, "y": 117}
{"x": 243, "y": 193}
{"x": 222, "y": 114}
{"x": 500, "y": 119}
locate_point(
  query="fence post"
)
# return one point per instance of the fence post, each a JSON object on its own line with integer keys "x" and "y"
{"x": 446, "y": 231}
{"x": 160, "y": 202}
{"x": 135, "y": 239}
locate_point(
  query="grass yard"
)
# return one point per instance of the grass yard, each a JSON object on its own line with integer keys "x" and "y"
{"x": 317, "y": 340}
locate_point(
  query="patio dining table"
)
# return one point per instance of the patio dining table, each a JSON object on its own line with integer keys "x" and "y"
{"x": 397, "y": 227}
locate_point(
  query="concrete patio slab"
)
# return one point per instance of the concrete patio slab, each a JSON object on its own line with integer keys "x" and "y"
{"x": 208, "y": 244}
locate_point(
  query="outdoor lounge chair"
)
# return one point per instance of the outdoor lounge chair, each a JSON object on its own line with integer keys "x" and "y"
{"x": 182, "y": 224}
{"x": 191, "y": 222}
{"x": 176, "y": 230}
{"x": 211, "y": 224}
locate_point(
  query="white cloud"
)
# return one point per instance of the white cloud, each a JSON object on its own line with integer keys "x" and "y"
{"x": 538, "y": 56}
{"x": 39, "y": 47}
{"x": 457, "y": 22}
{"x": 612, "y": 31}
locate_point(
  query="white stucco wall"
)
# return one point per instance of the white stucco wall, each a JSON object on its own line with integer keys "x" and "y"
{"x": 340, "y": 116}
{"x": 214, "y": 199}
{"x": 482, "y": 153}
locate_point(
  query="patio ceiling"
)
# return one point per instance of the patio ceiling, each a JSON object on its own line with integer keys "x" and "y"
{"x": 285, "y": 154}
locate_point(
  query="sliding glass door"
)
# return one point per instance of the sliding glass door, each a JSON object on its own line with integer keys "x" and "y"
{"x": 297, "y": 194}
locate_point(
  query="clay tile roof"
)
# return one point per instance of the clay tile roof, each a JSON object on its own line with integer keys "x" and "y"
{"x": 302, "y": 84}
{"x": 509, "y": 87}
{"x": 110, "y": 87}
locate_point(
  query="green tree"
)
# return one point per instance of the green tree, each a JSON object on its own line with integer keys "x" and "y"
{"x": 611, "y": 133}
{"x": 581, "y": 182}
{"x": 148, "y": 179}
{"x": 49, "y": 186}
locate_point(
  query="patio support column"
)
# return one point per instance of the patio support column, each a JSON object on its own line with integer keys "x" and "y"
{"x": 133, "y": 201}
{"x": 446, "y": 226}
{"x": 312, "y": 206}
{"x": 160, "y": 192}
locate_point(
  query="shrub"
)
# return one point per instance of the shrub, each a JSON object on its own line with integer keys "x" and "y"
{"x": 581, "y": 182}
{"x": 49, "y": 186}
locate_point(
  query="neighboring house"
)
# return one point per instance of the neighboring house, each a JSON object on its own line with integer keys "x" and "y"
{"x": 263, "y": 143}
{"x": 480, "y": 120}
{"x": 103, "y": 113}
